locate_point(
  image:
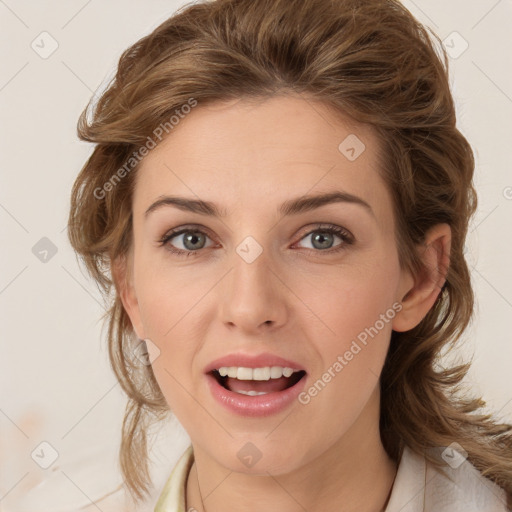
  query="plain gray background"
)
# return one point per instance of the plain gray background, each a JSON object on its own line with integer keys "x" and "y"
{"x": 56, "y": 383}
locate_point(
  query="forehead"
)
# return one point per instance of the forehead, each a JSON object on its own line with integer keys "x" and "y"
{"x": 259, "y": 153}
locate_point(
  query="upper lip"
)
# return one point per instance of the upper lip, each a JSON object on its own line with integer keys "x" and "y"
{"x": 252, "y": 361}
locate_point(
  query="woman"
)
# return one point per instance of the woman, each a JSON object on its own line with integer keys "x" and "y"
{"x": 278, "y": 201}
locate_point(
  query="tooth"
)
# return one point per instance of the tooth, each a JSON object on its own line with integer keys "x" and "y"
{"x": 252, "y": 393}
{"x": 261, "y": 373}
{"x": 287, "y": 372}
{"x": 232, "y": 372}
{"x": 244, "y": 374}
{"x": 276, "y": 372}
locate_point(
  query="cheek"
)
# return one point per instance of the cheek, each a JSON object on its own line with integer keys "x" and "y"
{"x": 167, "y": 314}
{"x": 167, "y": 296}
{"x": 351, "y": 342}
{"x": 350, "y": 300}
{"x": 173, "y": 375}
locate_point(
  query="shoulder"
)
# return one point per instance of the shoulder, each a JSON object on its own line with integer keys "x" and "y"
{"x": 462, "y": 486}
{"x": 456, "y": 487}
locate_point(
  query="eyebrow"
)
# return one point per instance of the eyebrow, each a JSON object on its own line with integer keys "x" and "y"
{"x": 291, "y": 207}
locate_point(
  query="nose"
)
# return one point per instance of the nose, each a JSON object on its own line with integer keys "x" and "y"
{"x": 253, "y": 296}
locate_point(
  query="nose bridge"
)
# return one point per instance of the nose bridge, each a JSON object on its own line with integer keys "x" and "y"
{"x": 252, "y": 294}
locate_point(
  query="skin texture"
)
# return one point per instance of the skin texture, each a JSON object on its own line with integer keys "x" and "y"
{"x": 295, "y": 300}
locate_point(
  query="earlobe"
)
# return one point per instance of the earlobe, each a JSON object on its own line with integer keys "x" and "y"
{"x": 421, "y": 296}
{"x": 122, "y": 275}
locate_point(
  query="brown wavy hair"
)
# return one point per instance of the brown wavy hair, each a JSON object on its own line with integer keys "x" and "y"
{"x": 370, "y": 60}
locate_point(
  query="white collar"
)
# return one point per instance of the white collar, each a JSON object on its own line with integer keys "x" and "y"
{"x": 420, "y": 487}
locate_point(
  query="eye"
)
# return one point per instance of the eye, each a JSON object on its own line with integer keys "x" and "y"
{"x": 190, "y": 239}
{"x": 323, "y": 236}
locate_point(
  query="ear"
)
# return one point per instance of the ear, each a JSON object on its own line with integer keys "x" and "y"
{"x": 421, "y": 296}
{"x": 122, "y": 274}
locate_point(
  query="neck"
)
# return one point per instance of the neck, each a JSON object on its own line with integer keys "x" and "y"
{"x": 354, "y": 474}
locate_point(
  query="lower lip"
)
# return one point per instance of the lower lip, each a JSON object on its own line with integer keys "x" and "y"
{"x": 255, "y": 406}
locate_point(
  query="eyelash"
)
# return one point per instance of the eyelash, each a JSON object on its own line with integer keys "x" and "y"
{"x": 324, "y": 228}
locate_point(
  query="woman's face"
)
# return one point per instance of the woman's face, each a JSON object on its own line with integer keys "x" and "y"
{"x": 264, "y": 277}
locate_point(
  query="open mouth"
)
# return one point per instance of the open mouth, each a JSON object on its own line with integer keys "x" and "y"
{"x": 258, "y": 387}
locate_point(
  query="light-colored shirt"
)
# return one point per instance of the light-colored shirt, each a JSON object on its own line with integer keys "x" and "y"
{"x": 418, "y": 487}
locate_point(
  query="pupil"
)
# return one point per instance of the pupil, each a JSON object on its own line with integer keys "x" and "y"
{"x": 322, "y": 239}
{"x": 193, "y": 239}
